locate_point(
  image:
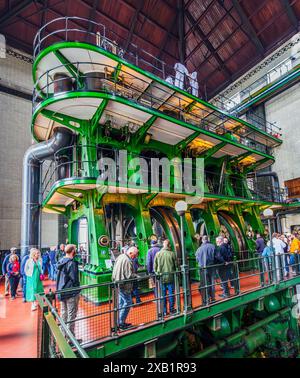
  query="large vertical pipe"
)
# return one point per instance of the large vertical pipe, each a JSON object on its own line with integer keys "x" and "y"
{"x": 31, "y": 185}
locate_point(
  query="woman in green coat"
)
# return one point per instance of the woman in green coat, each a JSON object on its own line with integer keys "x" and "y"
{"x": 33, "y": 271}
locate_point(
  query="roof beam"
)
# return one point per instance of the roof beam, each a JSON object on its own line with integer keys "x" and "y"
{"x": 248, "y": 26}
{"x": 133, "y": 23}
{"x": 18, "y": 44}
{"x": 181, "y": 31}
{"x": 207, "y": 43}
{"x": 13, "y": 12}
{"x": 291, "y": 13}
{"x": 161, "y": 49}
{"x": 150, "y": 20}
{"x": 92, "y": 15}
{"x": 106, "y": 17}
{"x": 218, "y": 48}
{"x": 199, "y": 19}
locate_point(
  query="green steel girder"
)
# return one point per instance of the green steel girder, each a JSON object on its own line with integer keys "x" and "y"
{"x": 139, "y": 136}
{"x": 75, "y": 72}
{"x": 117, "y": 71}
{"x": 236, "y": 159}
{"x": 97, "y": 115}
{"x": 151, "y": 111}
{"x": 218, "y": 204}
{"x": 87, "y": 46}
{"x": 66, "y": 192}
{"x": 125, "y": 341}
{"x": 57, "y": 208}
{"x": 213, "y": 150}
{"x": 147, "y": 198}
{"x": 184, "y": 143}
{"x": 65, "y": 120}
{"x": 64, "y": 346}
{"x": 251, "y": 167}
{"x": 189, "y": 107}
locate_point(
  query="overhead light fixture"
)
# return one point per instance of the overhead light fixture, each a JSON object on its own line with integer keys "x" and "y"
{"x": 147, "y": 138}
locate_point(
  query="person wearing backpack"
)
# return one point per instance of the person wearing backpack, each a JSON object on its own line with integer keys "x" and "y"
{"x": 68, "y": 278}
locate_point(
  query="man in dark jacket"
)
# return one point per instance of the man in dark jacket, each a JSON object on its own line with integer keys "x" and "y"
{"x": 222, "y": 258}
{"x": 232, "y": 272}
{"x": 60, "y": 252}
{"x": 52, "y": 265}
{"x": 68, "y": 278}
{"x": 23, "y": 275}
{"x": 205, "y": 257}
{"x": 260, "y": 246}
{"x": 151, "y": 256}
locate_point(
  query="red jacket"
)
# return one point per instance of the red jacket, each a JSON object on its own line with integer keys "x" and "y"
{"x": 13, "y": 268}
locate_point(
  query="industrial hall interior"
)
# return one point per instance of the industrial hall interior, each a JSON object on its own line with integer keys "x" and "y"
{"x": 150, "y": 179}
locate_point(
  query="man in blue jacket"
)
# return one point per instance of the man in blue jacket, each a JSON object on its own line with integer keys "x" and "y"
{"x": 68, "y": 278}
{"x": 13, "y": 251}
{"x": 52, "y": 265}
{"x": 205, "y": 257}
{"x": 23, "y": 275}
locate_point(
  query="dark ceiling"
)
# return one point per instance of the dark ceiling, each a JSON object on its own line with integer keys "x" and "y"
{"x": 221, "y": 39}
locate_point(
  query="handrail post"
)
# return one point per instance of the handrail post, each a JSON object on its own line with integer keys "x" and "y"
{"x": 43, "y": 330}
{"x": 115, "y": 310}
{"x": 177, "y": 292}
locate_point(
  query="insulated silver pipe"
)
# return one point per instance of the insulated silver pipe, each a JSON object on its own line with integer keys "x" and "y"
{"x": 31, "y": 185}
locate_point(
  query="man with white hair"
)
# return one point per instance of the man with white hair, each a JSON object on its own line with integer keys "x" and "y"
{"x": 123, "y": 271}
{"x": 13, "y": 251}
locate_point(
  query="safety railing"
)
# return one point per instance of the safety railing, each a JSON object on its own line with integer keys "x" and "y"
{"x": 108, "y": 79}
{"x": 108, "y": 310}
{"x": 70, "y": 162}
{"x": 228, "y": 104}
{"x": 71, "y": 29}
{"x": 277, "y": 73}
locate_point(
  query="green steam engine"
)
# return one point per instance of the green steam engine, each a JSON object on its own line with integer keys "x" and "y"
{"x": 94, "y": 99}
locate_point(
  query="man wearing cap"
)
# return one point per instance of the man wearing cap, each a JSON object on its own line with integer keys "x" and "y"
{"x": 165, "y": 265}
{"x": 150, "y": 263}
{"x": 13, "y": 251}
{"x": 151, "y": 255}
{"x": 123, "y": 273}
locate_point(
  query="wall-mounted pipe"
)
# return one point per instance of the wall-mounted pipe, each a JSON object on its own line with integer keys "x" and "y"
{"x": 31, "y": 185}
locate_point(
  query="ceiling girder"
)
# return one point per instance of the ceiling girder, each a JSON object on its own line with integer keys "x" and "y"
{"x": 14, "y": 11}
{"x": 248, "y": 26}
{"x": 207, "y": 43}
{"x": 133, "y": 23}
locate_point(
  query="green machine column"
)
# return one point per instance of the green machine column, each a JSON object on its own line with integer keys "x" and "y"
{"x": 89, "y": 159}
{"x": 190, "y": 243}
{"x": 96, "y": 271}
{"x": 211, "y": 219}
{"x": 144, "y": 226}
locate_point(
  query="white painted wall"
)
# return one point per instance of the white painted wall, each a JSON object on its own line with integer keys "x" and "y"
{"x": 285, "y": 110}
{"x": 15, "y": 138}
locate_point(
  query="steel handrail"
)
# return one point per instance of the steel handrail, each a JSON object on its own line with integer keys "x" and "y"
{"x": 182, "y": 113}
